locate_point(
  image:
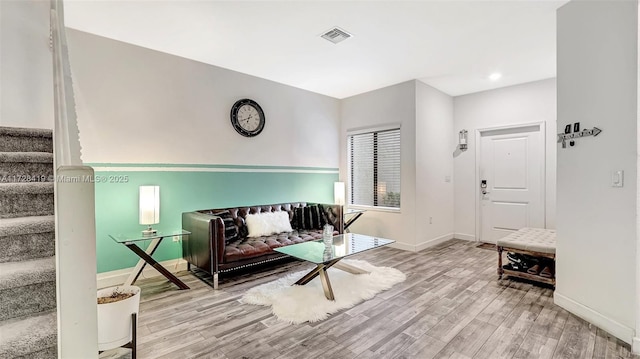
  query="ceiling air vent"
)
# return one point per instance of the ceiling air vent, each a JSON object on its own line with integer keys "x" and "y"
{"x": 336, "y": 35}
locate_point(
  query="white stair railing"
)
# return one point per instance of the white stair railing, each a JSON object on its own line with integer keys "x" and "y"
{"x": 74, "y": 212}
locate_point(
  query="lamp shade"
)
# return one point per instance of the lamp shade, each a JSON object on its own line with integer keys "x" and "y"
{"x": 338, "y": 193}
{"x": 149, "y": 204}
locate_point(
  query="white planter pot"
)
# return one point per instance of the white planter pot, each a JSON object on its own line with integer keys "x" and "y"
{"x": 114, "y": 319}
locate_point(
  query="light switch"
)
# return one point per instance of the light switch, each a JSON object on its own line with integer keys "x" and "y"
{"x": 617, "y": 179}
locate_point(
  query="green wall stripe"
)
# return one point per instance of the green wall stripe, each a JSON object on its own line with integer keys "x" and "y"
{"x": 183, "y": 191}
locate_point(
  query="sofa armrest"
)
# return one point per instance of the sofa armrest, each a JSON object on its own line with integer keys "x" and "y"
{"x": 204, "y": 247}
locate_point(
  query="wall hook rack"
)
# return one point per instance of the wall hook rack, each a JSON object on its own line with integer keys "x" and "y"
{"x": 564, "y": 137}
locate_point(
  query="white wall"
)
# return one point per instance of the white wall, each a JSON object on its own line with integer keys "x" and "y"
{"x": 527, "y": 103}
{"x": 137, "y": 105}
{"x": 596, "y": 224}
{"x": 426, "y": 117}
{"x": 26, "y": 72}
{"x": 391, "y": 105}
{"x": 434, "y": 165}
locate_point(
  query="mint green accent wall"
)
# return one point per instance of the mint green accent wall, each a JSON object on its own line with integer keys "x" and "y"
{"x": 117, "y": 202}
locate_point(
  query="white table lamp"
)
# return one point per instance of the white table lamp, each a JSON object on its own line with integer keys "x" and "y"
{"x": 149, "y": 207}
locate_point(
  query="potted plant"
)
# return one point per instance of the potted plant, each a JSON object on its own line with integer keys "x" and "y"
{"x": 115, "y": 321}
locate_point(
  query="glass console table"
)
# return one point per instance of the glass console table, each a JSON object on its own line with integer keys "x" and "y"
{"x": 131, "y": 240}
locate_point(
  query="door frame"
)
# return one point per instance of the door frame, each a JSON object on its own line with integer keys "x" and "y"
{"x": 543, "y": 169}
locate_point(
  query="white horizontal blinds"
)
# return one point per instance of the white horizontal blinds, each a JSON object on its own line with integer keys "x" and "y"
{"x": 374, "y": 166}
{"x": 361, "y": 169}
{"x": 388, "y": 169}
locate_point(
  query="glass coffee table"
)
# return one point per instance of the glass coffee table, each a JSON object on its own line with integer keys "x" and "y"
{"x": 327, "y": 256}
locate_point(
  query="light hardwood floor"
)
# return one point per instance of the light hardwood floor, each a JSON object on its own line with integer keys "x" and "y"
{"x": 452, "y": 305}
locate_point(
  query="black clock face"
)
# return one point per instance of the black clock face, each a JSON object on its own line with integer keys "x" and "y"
{"x": 247, "y": 118}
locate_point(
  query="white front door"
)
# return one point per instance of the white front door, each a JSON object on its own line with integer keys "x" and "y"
{"x": 511, "y": 188}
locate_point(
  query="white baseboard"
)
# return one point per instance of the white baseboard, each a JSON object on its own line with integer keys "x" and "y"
{"x": 635, "y": 346}
{"x": 607, "y": 324}
{"x": 403, "y": 246}
{"x": 117, "y": 277}
{"x": 434, "y": 241}
{"x": 423, "y": 245}
{"x": 466, "y": 237}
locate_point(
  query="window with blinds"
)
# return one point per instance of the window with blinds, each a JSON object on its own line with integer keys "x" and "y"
{"x": 374, "y": 168}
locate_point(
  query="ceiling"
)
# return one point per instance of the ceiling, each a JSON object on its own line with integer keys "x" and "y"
{"x": 451, "y": 45}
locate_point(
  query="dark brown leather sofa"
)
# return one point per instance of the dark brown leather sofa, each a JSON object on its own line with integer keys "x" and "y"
{"x": 210, "y": 251}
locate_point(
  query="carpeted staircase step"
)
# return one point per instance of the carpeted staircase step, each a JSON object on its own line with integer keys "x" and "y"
{"x": 26, "y": 199}
{"x": 26, "y": 167}
{"x": 25, "y": 140}
{"x": 26, "y": 238}
{"x": 32, "y": 337}
{"x": 27, "y": 287}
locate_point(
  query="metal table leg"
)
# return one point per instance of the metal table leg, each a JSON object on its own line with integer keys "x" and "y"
{"x": 321, "y": 270}
{"x": 351, "y": 220}
{"x": 147, "y": 258}
{"x": 137, "y": 270}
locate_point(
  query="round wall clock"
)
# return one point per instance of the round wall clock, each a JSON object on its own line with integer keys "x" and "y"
{"x": 247, "y": 117}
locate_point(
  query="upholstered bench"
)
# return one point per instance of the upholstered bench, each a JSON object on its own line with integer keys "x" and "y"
{"x": 536, "y": 242}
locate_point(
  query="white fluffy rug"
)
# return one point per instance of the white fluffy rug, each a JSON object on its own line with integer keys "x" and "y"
{"x": 307, "y": 303}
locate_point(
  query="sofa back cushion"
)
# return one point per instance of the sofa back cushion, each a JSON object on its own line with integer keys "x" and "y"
{"x": 332, "y": 214}
{"x": 309, "y": 217}
{"x": 230, "y": 228}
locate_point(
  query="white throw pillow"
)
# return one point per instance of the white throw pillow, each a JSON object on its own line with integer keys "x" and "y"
{"x": 267, "y": 223}
{"x": 281, "y": 222}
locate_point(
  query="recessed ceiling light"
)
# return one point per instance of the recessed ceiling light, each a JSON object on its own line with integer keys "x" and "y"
{"x": 495, "y": 76}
